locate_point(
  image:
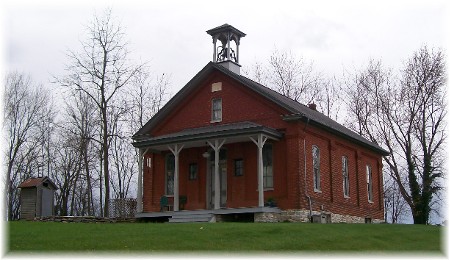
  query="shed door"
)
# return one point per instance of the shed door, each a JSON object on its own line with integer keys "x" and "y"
{"x": 47, "y": 203}
{"x": 28, "y": 203}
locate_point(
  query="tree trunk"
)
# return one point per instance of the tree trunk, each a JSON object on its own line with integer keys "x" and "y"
{"x": 105, "y": 161}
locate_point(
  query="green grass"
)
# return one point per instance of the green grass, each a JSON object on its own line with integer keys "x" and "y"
{"x": 46, "y": 237}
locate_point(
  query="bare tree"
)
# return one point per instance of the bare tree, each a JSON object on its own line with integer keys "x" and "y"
{"x": 67, "y": 168}
{"x": 148, "y": 95}
{"x": 27, "y": 115}
{"x": 395, "y": 206}
{"x": 329, "y": 99}
{"x": 407, "y": 118}
{"x": 124, "y": 166}
{"x": 76, "y": 154}
{"x": 289, "y": 75}
{"x": 258, "y": 72}
{"x": 101, "y": 70}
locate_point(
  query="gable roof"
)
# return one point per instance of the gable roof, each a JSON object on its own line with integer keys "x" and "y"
{"x": 297, "y": 111}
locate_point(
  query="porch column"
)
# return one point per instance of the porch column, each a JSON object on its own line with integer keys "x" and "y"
{"x": 176, "y": 194}
{"x": 139, "y": 188}
{"x": 260, "y": 143}
{"x": 216, "y": 147}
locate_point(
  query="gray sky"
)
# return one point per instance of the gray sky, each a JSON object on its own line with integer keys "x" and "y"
{"x": 171, "y": 34}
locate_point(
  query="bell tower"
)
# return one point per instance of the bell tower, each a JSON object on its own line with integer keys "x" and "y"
{"x": 226, "y": 53}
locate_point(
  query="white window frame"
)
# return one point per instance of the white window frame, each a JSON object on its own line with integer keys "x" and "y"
{"x": 316, "y": 168}
{"x": 345, "y": 178}
{"x": 216, "y": 112}
{"x": 369, "y": 183}
{"x": 268, "y": 167}
{"x": 167, "y": 181}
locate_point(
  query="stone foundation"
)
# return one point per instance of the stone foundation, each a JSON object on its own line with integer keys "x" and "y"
{"x": 267, "y": 217}
{"x": 302, "y": 215}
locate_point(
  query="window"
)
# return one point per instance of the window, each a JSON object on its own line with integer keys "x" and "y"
{"x": 369, "y": 183}
{"x": 345, "y": 181}
{"x": 316, "y": 167}
{"x": 267, "y": 166}
{"x": 170, "y": 171}
{"x": 193, "y": 171}
{"x": 238, "y": 167}
{"x": 216, "y": 110}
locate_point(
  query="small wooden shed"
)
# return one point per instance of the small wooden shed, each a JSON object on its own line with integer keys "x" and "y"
{"x": 36, "y": 198}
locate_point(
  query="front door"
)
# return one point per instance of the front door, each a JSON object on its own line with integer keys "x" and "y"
{"x": 222, "y": 181}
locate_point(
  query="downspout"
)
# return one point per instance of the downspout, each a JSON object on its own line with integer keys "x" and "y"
{"x": 306, "y": 190}
{"x": 305, "y": 186}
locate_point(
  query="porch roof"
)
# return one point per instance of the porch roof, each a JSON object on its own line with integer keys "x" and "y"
{"x": 197, "y": 137}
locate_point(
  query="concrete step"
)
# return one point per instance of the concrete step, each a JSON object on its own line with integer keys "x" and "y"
{"x": 192, "y": 217}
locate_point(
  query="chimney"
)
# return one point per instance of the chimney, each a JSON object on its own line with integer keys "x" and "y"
{"x": 312, "y": 106}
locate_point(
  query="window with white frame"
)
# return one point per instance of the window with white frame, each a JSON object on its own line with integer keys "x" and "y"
{"x": 316, "y": 167}
{"x": 170, "y": 172}
{"x": 216, "y": 115}
{"x": 238, "y": 167}
{"x": 267, "y": 166}
{"x": 345, "y": 180}
{"x": 369, "y": 183}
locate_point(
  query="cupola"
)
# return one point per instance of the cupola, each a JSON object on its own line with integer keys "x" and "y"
{"x": 226, "y": 53}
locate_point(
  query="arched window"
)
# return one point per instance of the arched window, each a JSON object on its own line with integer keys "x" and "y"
{"x": 316, "y": 167}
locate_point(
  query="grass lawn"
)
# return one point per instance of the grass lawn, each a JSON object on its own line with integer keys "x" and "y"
{"x": 46, "y": 237}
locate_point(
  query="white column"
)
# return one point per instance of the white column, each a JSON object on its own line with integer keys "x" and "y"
{"x": 215, "y": 49}
{"x": 260, "y": 143}
{"x": 216, "y": 147}
{"x": 176, "y": 192}
{"x": 139, "y": 189}
{"x": 228, "y": 45}
{"x": 237, "y": 52}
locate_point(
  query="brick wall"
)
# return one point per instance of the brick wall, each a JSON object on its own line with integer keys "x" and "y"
{"x": 291, "y": 184}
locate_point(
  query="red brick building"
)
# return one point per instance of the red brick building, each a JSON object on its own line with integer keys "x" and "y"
{"x": 225, "y": 132}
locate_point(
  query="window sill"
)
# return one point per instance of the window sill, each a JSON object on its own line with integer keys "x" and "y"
{"x": 215, "y": 121}
{"x": 371, "y": 202}
{"x": 266, "y": 189}
{"x": 317, "y": 191}
{"x": 346, "y": 197}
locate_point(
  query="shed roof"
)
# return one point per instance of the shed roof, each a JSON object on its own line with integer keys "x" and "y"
{"x": 35, "y": 182}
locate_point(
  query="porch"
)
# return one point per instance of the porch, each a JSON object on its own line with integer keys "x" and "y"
{"x": 201, "y": 215}
{"x": 170, "y": 152}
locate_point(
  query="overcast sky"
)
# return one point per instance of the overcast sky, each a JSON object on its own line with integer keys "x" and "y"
{"x": 171, "y": 34}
